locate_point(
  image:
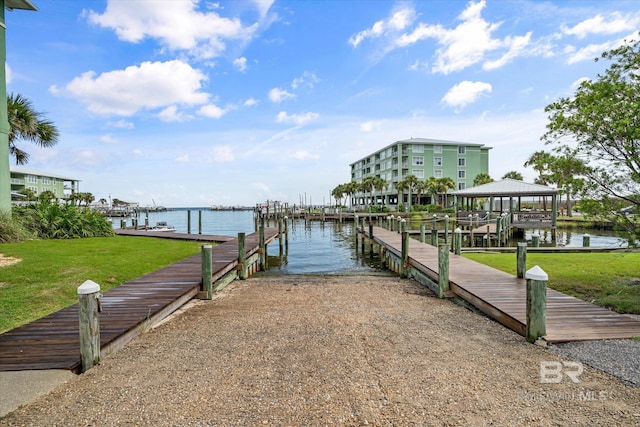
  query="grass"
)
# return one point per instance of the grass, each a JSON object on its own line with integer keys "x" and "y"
{"x": 609, "y": 280}
{"x": 50, "y": 272}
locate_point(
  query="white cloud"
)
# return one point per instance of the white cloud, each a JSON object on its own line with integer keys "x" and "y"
{"x": 613, "y": 24}
{"x": 150, "y": 85}
{"x": 240, "y": 64}
{"x": 108, "y": 138}
{"x": 121, "y": 124}
{"x": 183, "y": 159}
{"x": 370, "y": 126}
{"x": 171, "y": 114}
{"x": 298, "y": 119}
{"x": 212, "y": 111}
{"x": 222, "y": 154}
{"x": 307, "y": 79}
{"x": 278, "y": 95}
{"x": 177, "y": 25}
{"x": 465, "y": 93}
{"x": 516, "y": 46}
{"x": 251, "y": 102}
{"x": 304, "y": 155}
{"x": 418, "y": 66}
{"x": 399, "y": 20}
{"x": 592, "y": 51}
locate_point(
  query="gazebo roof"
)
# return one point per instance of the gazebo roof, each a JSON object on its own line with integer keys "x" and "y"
{"x": 506, "y": 188}
{"x": 19, "y": 4}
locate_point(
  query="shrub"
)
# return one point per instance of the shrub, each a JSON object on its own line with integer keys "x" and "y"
{"x": 12, "y": 229}
{"x": 50, "y": 220}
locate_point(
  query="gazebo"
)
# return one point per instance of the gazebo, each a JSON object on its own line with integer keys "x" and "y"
{"x": 507, "y": 196}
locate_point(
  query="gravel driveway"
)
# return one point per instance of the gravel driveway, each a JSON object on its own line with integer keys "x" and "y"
{"x": 331, "y": 350}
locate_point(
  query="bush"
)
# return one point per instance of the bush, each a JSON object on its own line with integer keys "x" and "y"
{"x": 50, "y": 220}
{"x": 12, "y": 229}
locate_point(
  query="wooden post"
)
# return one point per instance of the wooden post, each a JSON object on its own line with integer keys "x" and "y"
{"x": 586, "y": 241}
{"x": 521, "y": 259}
{"x": 404, "y": 263}
{"x": 242, "y": 256}
{"x": 443, "y": 269}
{"x": 123, "y": 223}
{"x": 434, "y": 232}
{"x": 536, "y": 303}
{"x": 188, "y": 222}
{"x": 488, "y": 236}
{"x": 423, "y": 232}
{"x": 146, "y": 219}
{"x": 498, "y": 231}
{"x": 535, "y": 240}
{"x": 199, "y": 222}
{"x": 88, "y": 308}
{"x": 207, "y": 266}
{"x": 370, "y": 239}
{"x": 263, "y": 247}
{"x": 286, "y": 231}
{"x": 446, "y": 229}
{"x": 457, "y": 241}
{"x": 389, "y": 222}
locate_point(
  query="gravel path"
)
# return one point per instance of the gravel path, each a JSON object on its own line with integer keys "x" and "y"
{"x": 335, "y": 350}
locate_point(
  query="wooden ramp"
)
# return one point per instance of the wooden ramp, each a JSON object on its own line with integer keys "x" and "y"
{"x": 503, "y": 296}
{"x": 52, "y": 342}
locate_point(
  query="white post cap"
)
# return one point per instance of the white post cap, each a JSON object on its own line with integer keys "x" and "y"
{"x": 536, "y": 273}
{"x": 458, "y": 230}
{"x": 88, "y": 287}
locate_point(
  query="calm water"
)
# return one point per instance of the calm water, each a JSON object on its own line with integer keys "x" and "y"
{"x": 329, "y": 248}
{"x": 314, "y": 246}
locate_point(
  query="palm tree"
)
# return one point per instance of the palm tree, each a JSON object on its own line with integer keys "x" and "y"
{"x": 422, "y": 187}
{"x": 27, "y": 124}
{"x": 482, "y": 178}
{"x": 408, "y": 183}
{"x": 513, "y": 175}
{"x": 379, "y": 185}
{"x": 443, "y": 185}
{"x": 540, "y": 161}
{"x": 351, "y": 188}
{"x": 367, "y": 187}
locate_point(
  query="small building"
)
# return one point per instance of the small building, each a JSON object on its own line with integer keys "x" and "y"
{"x": 38, "y": 182}
{"x": 531, "y": 205}
{"x": 424, "y": 158}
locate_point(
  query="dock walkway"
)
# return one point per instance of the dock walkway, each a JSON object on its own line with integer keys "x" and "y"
{"x": 52, "y": 342}
{"x": 502, "y": 296}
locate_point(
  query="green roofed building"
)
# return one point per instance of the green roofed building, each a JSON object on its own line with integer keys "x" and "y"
{"x": 38, "y": 182}
{"x": 424, "y": 158}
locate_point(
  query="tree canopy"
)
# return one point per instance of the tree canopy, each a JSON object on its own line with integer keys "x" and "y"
{"x": 600, "y": 124}
{"x": 27, "y": 124}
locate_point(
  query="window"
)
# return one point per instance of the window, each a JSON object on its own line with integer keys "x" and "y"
{"x": 437, "y": 161}
{"x": 437, "y": 149}
{"x": 461, "y": 186}
{"x": 418, "y": 173}
{"x": 418, "y": 161}
{"x": 462, "y": 149}
{"x": 35, "y": 189}
{"x": 418, "y": 149}
{"x": 462, "y": 174}
{"x": 46, "y": 180}
{"x": 437, "y": 173}
{"x": 32, "y": 179}
{"x": 462, "y": 162}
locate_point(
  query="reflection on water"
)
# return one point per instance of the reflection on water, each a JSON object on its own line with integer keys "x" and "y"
{"x": 328, "y": 248}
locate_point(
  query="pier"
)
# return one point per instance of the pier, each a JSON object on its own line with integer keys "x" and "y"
{"x": 499, "y": 295}
{"x": 128, "y": 310}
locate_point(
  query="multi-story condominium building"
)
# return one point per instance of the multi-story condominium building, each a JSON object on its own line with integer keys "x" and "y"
{"x": 423, "y": 158}
{"x": 38, "y": 181}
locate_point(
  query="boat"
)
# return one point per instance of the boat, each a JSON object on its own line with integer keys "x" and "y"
{"x": 162, "y": 226}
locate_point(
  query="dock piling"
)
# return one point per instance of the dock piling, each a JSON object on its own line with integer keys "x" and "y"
{"x": 242, "y": 256}
{"x": 536, "y": 303}
{"x": 88, "y": 308}
{"x": 443, "y": 269}
{"x": 207, "y": 266}
{"x": 521, "y": 259}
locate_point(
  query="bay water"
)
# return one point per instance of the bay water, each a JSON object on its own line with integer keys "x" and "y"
{"x": 325, "y": 247}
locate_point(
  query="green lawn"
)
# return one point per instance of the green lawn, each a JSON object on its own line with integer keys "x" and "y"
{"x": 50, "y": 272}
{"x": 607, "y": 279}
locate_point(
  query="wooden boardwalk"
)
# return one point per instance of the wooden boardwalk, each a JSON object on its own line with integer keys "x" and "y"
{"x": 52, "y": 342}
{"x": 502, "y": 296}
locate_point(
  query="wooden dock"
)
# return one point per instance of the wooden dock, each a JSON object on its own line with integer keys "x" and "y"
{"x": 52, "y": 342}
{"x": 502, "y": 296}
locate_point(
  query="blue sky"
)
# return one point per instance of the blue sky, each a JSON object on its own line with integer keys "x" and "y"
{"x": 199, "y": 103}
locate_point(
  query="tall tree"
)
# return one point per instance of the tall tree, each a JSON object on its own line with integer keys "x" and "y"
{"x": 379, "y": 185}
{"x": 513, "y": 175}
{"x": 482, "y": 178}
{"x": 443, "y": 185}
{"x": 27, "y": 124}
{"x": 408, "y": 184}
{"x": 602, "y": 118}
{"x": 540, "y": 162}
{"x": 338, "y": 193}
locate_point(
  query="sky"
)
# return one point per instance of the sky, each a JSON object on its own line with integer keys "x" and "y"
{"x": 186, "y": 103}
